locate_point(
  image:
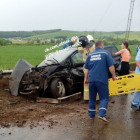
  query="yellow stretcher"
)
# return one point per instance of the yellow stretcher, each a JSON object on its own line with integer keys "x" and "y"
{"x": 122, "y": 85}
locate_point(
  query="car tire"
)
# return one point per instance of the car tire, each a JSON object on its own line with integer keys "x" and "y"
{"x": 57, "y": 88}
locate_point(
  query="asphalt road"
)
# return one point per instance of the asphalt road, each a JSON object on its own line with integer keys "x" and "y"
{"x": 124, "y": 124}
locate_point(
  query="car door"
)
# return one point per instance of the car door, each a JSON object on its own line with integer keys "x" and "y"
{"x": 117, "y": 59}
{"x": 76, "y": 70}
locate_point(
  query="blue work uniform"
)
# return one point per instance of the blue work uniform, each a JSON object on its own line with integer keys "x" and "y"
{"x": 136, "y": 99}
{"x": 137, "y": 49}
{"x": 68, "y": 44}
{"x": 98, "y": 63}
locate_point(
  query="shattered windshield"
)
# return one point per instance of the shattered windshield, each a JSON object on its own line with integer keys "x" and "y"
{"x": 57, "y": 57}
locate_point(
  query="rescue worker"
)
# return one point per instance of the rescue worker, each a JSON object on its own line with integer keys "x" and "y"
{"x": 87, "y": 46}
{"x": 96, "y": 74}
{"x": 70, "y": 43}
{"x": 136, "y": 100}
{"x": 137, "y": 48}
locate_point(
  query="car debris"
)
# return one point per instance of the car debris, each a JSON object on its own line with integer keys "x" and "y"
{"x": 13, "y": 102}
{"x": 69, "y": 98}
{"x": 21, "y": 67}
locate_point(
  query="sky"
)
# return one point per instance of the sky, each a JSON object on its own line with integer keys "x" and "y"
{"x": 79, "y": 15}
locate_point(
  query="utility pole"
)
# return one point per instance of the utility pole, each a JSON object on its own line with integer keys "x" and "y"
{"x": 129, "y": 20}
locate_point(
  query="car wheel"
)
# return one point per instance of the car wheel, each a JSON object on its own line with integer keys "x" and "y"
{"x": 57, "y": 88}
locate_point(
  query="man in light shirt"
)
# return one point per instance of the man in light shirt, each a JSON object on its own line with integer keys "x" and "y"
{"x": 136, "y": 100}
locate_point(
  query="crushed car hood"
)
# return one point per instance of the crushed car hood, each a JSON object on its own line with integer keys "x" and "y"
{"x": 21, "y": 67}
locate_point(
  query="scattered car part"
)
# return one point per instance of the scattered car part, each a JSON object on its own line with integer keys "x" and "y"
{"x": 21, "y": 67}
{"x": 69, "y": 98}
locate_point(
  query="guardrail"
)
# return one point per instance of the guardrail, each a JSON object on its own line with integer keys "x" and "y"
{"x": 5, "y": 72}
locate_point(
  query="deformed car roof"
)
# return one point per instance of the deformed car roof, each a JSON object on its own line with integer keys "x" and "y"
{"x": 59, "y": 56}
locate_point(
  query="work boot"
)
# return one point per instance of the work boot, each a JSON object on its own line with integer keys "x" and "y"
{"x": 103, "y": 119}
{"x": 91, "y": 118}
{"x": 135, "y": 108}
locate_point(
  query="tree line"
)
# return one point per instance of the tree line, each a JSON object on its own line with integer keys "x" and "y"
{"x": 24, "y": 34}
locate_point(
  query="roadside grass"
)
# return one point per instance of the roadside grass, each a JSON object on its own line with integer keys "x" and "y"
{"x": 9, "y": 55}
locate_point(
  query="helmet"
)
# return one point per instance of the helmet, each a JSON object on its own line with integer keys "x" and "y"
{"x": 90, "y": 37}
{"x": 83, "y": 41}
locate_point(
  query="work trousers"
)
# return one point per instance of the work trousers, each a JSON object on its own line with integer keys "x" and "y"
{"x": 103, "y": 93}
{"x": 136, "y": 99}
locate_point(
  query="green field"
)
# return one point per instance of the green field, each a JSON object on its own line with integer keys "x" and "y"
{"x": 96, "y": 34}
{"x": 59, "y": 34}
{"x": 9, "y": 55}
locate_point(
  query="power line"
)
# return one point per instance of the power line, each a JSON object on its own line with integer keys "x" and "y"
{"x": 123, "y": 20}
{"x": 103, "y": 16}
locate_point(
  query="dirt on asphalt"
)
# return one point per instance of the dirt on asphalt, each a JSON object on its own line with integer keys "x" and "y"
{"x": 23, "y": 118}
{"x": 19, "y": 110}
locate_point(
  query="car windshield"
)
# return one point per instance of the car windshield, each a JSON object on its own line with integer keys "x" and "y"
{"x": 57, "y": 57}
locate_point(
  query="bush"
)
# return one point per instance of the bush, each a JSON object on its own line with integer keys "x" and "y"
{"x": 4, "y": 42}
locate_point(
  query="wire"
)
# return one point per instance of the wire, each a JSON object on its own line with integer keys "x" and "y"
{"x": 126, "y": 17}
{"x": 103, "y": 16}
{"x": 120, "y": 22}
{"x": 137, "y": 16}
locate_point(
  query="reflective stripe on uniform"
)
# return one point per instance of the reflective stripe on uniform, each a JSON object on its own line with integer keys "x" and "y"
{"x": 103, "y": 108}
{"x": 86, "y": 90}
{"x": 91, "y": 110}
{"x": 98, "y": 53}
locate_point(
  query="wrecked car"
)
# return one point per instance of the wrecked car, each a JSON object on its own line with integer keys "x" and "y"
{"x": 59, "y": 74}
